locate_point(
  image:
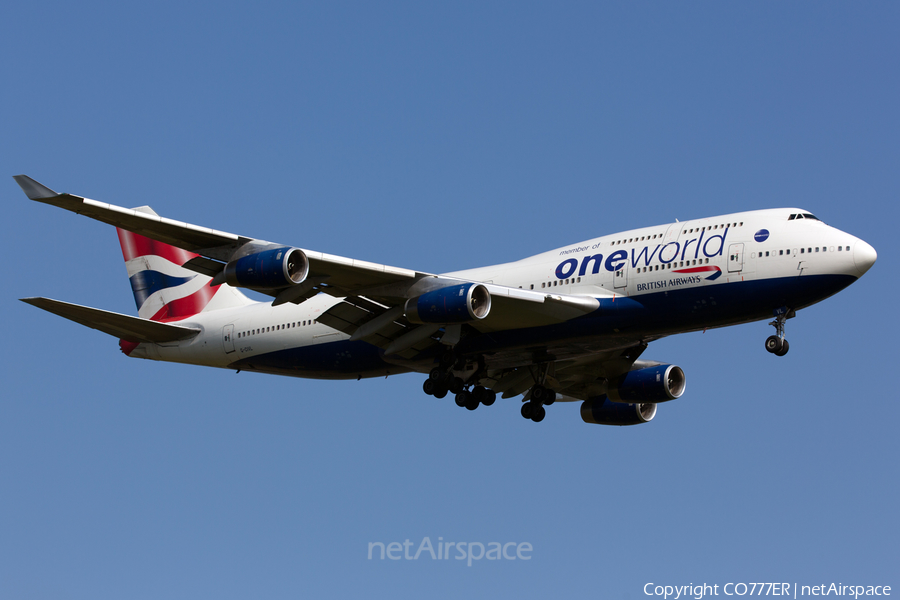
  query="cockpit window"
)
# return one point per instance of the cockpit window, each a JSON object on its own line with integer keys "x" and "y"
{"x": 803, "y": 216}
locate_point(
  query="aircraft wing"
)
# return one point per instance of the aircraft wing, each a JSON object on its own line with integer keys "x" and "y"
{"x": 335, "y": 275}
{"x": 374, "y": 295}
{"x": 132, "y": 329}
{"x": 576, "y": 378}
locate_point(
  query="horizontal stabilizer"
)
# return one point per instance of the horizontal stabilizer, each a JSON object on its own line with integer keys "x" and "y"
{"x": 132, "y": 329}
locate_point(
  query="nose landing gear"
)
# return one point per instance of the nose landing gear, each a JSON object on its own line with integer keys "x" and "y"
{"x": 777, "y": 344}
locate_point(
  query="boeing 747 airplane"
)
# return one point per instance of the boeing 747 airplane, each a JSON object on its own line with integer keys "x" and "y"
{"x": 570, "y": 324}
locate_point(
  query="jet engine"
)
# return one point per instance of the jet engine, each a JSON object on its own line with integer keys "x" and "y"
{"x": 452, "y": 304}
{"x": 659, "y": 383}
{"x": 601, "y": 411}
{"x": 272, "y": 267}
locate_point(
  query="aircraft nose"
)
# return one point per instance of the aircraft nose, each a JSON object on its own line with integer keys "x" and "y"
{"x": 864, "y": 257}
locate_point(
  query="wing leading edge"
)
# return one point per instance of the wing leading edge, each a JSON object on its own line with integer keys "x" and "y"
{"x": 339, "y": 275}
{"x": 370, "y": 290}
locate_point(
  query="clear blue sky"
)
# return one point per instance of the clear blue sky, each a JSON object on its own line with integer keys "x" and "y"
{"x": 442, "y": 137}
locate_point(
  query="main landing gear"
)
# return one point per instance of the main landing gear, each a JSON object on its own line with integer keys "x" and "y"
{"x": 469, "y": 394}
{"x": 478, "y": 395}
{"x": 540, "y": 397}
{"x": 441, "y": 382}
{"x": 777, "y": 344}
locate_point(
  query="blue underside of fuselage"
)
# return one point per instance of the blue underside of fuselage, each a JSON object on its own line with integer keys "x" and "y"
{"x": 646, "y": 316}
{"x": 333, "y": 360}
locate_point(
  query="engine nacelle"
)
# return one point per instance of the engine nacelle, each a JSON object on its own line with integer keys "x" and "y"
{"x": 274, "y": 267}
{"x": 452, "y": 304}
{"x": 601, "y": 411}
{"x": 659, "y": 383}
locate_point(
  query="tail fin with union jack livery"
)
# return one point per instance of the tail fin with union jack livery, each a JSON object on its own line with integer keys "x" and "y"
{"x": 163, "y": 289}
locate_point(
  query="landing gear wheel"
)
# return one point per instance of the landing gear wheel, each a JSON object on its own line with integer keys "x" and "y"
{"x": 472, "y": 402}
{"x": 543, "y": 395}
{"x": 527, "y": 408}
{"x": 777, "y": 344}
{"x": 436, "y": 374}
{"x": 440, "y": 391}
{"x": 784, "y": 348}
{"x": 489, "y": 398}
{"x": 538, "y": 414}
{"x": 462, "y": 398}
{"x": 428, "y": 387}
{"x": 455, "y": 385}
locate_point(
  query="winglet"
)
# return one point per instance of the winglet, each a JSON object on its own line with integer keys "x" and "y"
{"x": 33, "y": 189}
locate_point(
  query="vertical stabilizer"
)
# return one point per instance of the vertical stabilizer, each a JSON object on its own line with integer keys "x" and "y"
{"x": 163, "y": 289}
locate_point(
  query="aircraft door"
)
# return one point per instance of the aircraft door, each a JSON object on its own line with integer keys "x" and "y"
{"x": 228, "y": 338}
{"x": 621, "y": 276}
{"x": 735, "y": 258}
{"x": 673, "y": 233}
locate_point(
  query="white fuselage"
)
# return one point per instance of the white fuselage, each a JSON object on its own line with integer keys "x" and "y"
{"x": 664, "y": 267}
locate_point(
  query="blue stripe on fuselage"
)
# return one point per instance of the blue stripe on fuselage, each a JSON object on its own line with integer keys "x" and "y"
{"x": 673, "y": 311}
{"x": 660, "y": 313}
{"x": 333, "y": 360}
